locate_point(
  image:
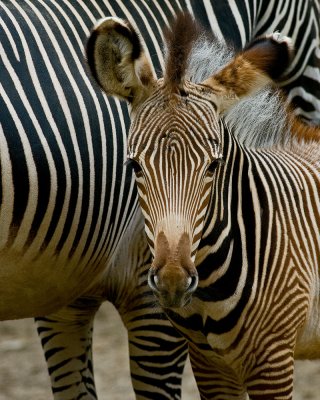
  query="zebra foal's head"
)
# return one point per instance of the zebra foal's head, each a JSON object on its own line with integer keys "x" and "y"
{"x": 175, "y": 140}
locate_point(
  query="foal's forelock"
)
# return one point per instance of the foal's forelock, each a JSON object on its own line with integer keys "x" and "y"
{"x": 179, "y": 39}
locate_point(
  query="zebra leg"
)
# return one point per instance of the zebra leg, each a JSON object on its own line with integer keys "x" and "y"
{"x": 66, "y": 338}
{"x": 215, "y": 379}
{"x": 157, "y": 351}
{"x": 157, "y": 357}
{"x": 273, "y": 379}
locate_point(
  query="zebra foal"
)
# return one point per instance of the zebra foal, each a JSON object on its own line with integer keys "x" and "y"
{"x": 229, "y": 184}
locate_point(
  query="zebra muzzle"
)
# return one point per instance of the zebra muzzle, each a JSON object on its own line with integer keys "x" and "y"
{"x": 173, "y": 276}
{"x": 173, "y": 285}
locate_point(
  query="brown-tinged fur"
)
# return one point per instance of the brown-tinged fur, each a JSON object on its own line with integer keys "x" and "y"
{"x": 180, "y": 39}
{"x": 251, "y": 69}
{"x": 261, "y": 61}
{"x": 298, "y": 126}
{"x": 174, "y": 268}
{"x": 178, "y": 255}
{"x": 303, "y": 131}
{"x": 270, "y": 56}
{"x": 119, "y": 70}
{"x": 237, "y": 77}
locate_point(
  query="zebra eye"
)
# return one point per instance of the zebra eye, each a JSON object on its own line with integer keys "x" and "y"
{"x": 134, "y": 164}
{"x": 212, "y": 167}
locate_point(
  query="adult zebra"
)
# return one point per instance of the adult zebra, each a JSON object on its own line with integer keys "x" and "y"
{"x": 231, "y": 199}
{"x": 71, "y": 235}
{"x": 62, "y": 149}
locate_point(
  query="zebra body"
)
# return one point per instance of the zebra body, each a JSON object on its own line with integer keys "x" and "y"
{"x": 68, "y": 205}
{"x": 258, "y": 293}
{"x": 230, "y": 191}
{"x": 29, "y": 223}
{"x": 62, "y": 165}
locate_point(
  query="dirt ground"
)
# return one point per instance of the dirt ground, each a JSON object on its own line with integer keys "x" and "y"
{"x": 23, "y": 374}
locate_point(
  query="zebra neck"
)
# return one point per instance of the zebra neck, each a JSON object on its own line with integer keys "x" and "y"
{"x": 230, "y": 208}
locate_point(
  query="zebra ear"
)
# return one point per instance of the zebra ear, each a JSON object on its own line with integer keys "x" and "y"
{"x": 261, "y": 63}
{"x": 117, "y": 60}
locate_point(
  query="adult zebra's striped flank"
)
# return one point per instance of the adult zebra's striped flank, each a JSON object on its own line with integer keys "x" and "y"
{"x": 229, "y": 184}
{"x": 71, "y": 234}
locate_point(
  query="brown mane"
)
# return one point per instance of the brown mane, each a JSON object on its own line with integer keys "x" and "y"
{"x": 179, "y": 40}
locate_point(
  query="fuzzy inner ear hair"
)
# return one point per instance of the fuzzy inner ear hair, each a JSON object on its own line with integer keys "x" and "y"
{"x": 117, "y": 60}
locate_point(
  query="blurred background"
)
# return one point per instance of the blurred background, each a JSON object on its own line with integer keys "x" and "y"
{"x": 23, "y": 374}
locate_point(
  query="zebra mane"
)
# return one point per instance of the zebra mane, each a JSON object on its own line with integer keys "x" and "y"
{"x": 258, "y": 120}
{"x": 179, "y": 40}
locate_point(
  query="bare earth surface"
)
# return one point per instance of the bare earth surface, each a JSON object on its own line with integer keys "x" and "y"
{"x": 23, "y": 374}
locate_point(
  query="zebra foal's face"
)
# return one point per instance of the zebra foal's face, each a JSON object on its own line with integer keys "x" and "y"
{"x": 174, "y": 146}
{"x": 175, "y": 138}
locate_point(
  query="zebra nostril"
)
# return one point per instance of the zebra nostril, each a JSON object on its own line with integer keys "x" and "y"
{"x": 192, "y": 283}
{"x": 153, "y": 281}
